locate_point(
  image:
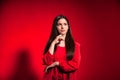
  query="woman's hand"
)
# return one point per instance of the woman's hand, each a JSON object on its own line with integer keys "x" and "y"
{"x": 51, "y": 66}
{"x": 55, "y": 41}
{"x": 58, "y": 39}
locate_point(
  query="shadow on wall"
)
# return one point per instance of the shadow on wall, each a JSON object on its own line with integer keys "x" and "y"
{"x": 23, "y": 69}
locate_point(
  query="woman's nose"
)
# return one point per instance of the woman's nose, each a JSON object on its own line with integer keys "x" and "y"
{"x": 62, "y": 26}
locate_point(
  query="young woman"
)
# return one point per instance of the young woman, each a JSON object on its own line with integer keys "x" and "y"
{"x": 62, "y": 54}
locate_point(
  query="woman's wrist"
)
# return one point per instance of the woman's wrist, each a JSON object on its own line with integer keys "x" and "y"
{"x": 57, "y": 63}
{"x": 51, "y": 49}
{"x": 53, "y": 43}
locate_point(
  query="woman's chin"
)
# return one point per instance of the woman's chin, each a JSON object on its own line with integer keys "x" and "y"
{"x": 62, "y": 33}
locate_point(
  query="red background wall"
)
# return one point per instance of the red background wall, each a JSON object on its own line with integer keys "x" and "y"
{"x": 25, "y": 27}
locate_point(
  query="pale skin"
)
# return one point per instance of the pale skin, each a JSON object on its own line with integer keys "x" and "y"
{"x": 62, "y": 28}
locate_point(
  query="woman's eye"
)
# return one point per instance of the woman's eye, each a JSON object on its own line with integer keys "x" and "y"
{"x": 65, "y": 24}
{"x": 59, "y": 24}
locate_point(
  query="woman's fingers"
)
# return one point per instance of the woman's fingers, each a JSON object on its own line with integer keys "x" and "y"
{"x": 58, "y": 39}
{"x": 46, "y": 69}
{"x": 61, "y": 37}
{"x": 52, "y": 65}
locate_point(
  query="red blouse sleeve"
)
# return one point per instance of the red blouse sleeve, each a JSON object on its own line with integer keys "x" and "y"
{"x": 73, "y": 64}
{"x": 48, "y": 58}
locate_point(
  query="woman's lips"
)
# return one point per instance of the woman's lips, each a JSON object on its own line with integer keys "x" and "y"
{"x": 62, "y": 30}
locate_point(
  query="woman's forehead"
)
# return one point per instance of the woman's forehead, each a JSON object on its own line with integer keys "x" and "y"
{"x": 62, "y": 20}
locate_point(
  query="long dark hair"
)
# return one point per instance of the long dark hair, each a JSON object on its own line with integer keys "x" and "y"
{"x": 69, "y": 41}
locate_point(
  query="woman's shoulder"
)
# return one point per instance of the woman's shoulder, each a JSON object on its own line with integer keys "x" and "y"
{"x": 77, "y": 44}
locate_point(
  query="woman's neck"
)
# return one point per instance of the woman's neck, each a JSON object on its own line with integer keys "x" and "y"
{"x": 62, "y": 43}
{"x": 64, "y": 35}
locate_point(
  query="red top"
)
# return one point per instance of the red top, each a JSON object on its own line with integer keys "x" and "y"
{"x": 60, "y": 72}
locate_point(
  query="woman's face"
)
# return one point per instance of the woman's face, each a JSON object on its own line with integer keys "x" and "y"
{"x": 62, "y": 26}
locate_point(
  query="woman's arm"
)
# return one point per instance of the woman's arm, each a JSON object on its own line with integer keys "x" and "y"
{"x": 48, "y": 58}
{"x": 73, "y": 64}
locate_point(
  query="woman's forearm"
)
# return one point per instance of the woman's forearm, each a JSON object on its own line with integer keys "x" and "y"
{"x": 51, "y": 49}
